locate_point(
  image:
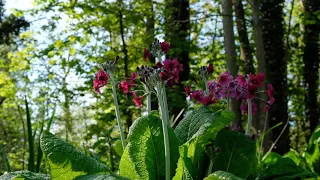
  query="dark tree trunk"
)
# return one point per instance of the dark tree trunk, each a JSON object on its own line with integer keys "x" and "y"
{"x": 177, "y": 33}
{"x": 229, "y": 44}
{"x": 125, "y": 58}
{"x": 311, "y": 62}
{"x": 276, "y": 67}
{"x": 246, "y": 51}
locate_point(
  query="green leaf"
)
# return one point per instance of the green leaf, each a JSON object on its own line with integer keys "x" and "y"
{"x": 190, "y": 163}
{"x": 199, "y": 121}
{"x": 220, "y": 175}
{"x": 315, "y": 137}
{"x": 272, "y": 158}
{"x": 145, "y": 150}
{"x": 285, "y": 168}
{"x": 24, "y": 175}
{"x": 294, "y": 155}
{"x": 190, "y": 155}
{"x": 100, "y": 177}
{"x": 236, "y": 153}
{"x": 117, "y": 146}
{"x": 65, "y": 161}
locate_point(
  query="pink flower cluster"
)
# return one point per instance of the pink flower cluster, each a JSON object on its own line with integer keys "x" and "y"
{"x": 200, "y": 96}
{"x": 126, "y": 85}
{"x": 241, "y": 87}
{"x": 100, "y": 81}
{"x": 171, "y": 71}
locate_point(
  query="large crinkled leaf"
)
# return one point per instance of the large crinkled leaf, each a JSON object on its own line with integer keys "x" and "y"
{"x": 126, "y": 166}
{"x": 199, "y": 121}
{"x": 100, "y": 177}
{"x": 24, "y": 175}
{"x": 65, "y": 161}
{"x": 190, "y": 154}
{"x": 222, "y": 175}
{"x": 146, "y": 150}
{"x": 285, "y": 168}
{"x": 236, "y": 153}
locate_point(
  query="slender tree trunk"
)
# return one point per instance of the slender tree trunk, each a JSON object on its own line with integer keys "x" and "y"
{"x": 229, "y": 44}
{"x": 260, "y": 122}
{"x": 246, "y": 51}
{"x": 178, "y": 34}
{"x": 276, "y": 66}
{"x": 311, "y": 62}
{"x": 30, "y": 138}
{"x": 125, "y": 58}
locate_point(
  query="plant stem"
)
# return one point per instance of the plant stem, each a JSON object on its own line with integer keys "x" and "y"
{"x": 210, "y": 167}
{"x": 114, "y": 91}
{"x": 162, "y": 98}
{"x": 249, "y": 117}
{"x": 148, "y": 100}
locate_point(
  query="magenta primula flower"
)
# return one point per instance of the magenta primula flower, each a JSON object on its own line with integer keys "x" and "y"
{"x": 256, "y": 80}
{"x": 125, "y": 86}
{"x": 100, "y": 80}
{"x": 224, "y": 79}
{"x": 164, "y": 46}
{"x": 146, "y": 54}
{"x": 271, "y": 100}
{"x": 210, "y": 69}
{"x": 241, "y": 80}
{"x": 138, "y": 100}
{"x": 188, "y": 90}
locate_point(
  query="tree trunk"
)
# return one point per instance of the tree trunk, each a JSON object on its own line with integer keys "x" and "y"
{"x": 246, "y": 51}
{"x": 229, "y": 44}
{"x": 260, "y": 122}
{"x": 125, "y": 58}
{"x": 178, "y": 35}
{"x": 276, "y": 66}
{"x": 311, "y": 62}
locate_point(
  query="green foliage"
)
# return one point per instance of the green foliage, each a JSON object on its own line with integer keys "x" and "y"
{"x": 201, "y": 121}
{"x": 192, "y": 152}
{"x": 24, "y": 175}
{"x": 219, "y": 175}
{"x": 117, "y": 146}
{"x": 285, "y": 168}
{"x": 65, "y": 162}
{"x": 271, "y": 158}
{"x": 236, "y": 153}
{"x": 145, "y": 150}
{"x": 100, "y": 177}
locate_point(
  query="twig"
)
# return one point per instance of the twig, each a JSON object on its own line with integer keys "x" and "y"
{"x": 275, "y": 142}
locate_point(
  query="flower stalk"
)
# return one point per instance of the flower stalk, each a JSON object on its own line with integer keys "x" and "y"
{"x": 148, "y": 99}
{"x": 249, "y": 117}
{"x": 162, "y": 98}
{"x": 114, "y": 91}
